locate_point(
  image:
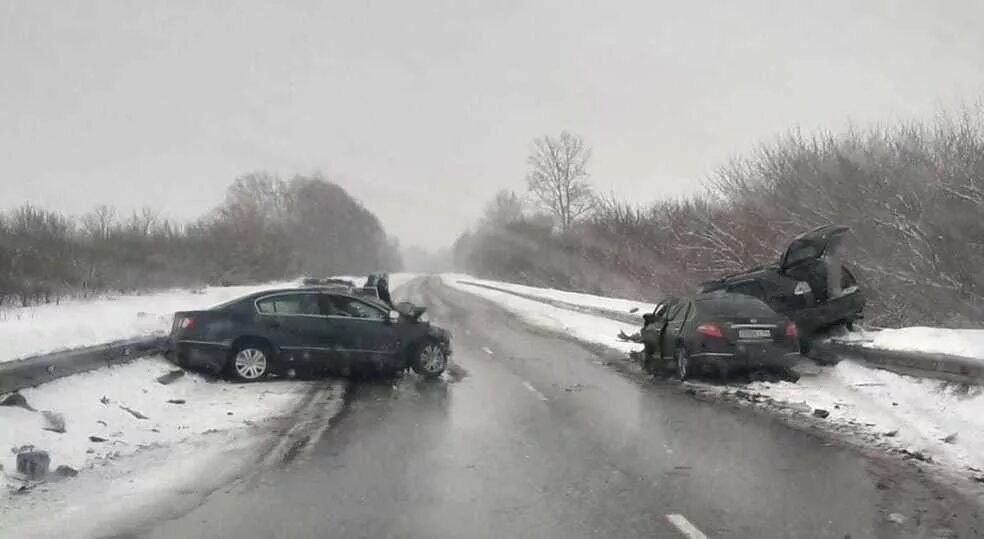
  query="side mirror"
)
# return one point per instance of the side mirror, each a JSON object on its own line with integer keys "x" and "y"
{"x": 394, "y": 317}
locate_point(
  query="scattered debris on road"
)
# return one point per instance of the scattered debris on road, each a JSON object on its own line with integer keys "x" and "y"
{"x": 917, "y": 455}
{"x": 891, "y": 433}
{"x": 821, "y": 413}
{"x": 55, "y": 421}
{"x": 33, "y": 463}
{"x": 170, "y": 377}
{"x": 950, "y": 439}
{"x": 133, "y": 412}
{"x": 897, "y": 518}
{"x": 16, "y": 399}
{"x": 97, "y": 439}
{"x": 66, "y": 471}
{"x": 104, "y": 400}
{"x": 175, "y": 401}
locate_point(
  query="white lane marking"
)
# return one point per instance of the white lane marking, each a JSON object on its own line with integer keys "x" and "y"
{"x": 534, "y": 390}
{"x": 488, "y": 350}
{"x": 685, "y": 527}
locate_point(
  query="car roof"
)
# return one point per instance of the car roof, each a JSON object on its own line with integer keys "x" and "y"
{"x": 337, "y": 290}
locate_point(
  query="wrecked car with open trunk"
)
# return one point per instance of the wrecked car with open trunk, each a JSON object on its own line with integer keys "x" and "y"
{"x": 810, "y": 284}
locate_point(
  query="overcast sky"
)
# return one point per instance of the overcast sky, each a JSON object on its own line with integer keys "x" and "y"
{"x": 423, "y": 109}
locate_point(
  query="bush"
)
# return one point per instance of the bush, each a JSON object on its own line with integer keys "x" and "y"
{"x": 266, "y": 229}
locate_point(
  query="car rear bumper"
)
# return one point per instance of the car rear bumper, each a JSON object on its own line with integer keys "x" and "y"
{"x": 835, "y": 311}
{"x": 199, "y": 354}
{"x": 750, "y": 358}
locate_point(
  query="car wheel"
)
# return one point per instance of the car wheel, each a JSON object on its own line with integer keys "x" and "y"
{"x": 250, "y": 362}
{"x": 430, "y": 360}
{"x": 684, "y": 365}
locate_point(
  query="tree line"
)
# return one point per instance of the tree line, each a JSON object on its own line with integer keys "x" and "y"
{"x": 913, "y": 195}
{"x": 266, "y": 228}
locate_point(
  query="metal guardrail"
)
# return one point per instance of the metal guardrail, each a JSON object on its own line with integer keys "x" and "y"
{"x": 36, "y": 370}
{"x": 926, "y": 365}
{"x": 923, "y": 364}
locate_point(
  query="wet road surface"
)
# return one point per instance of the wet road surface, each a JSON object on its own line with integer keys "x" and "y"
{"x": 533, "y": 436}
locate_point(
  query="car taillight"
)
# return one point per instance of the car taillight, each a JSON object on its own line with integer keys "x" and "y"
{"x": 187, "y": 323}
{"x": 710, "y": 330}
{"x": 791, "y": 331}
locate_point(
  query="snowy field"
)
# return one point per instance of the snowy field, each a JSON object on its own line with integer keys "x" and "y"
{"x": 938, "y": 420}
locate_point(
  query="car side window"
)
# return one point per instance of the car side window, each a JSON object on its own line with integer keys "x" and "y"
{"x": 351, "y": 307}
{"x": 674, "y": 311}
{"x": 289, "y": 304}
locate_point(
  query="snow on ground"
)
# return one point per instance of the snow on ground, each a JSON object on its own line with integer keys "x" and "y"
{"x": 956, "y": 342}
{"x": 919, "y": 413}
{"x": 587, "y": 300}
{"x": 147, "y": 468}
{"x": 92, "y": 404}
{"x": 71, "y": 324}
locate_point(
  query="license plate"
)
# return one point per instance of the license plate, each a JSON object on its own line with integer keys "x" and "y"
{"x": 754, "y": 334}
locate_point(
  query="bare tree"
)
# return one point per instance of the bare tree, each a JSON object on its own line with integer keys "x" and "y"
{"x": 558, "y": 176}
{"x": 506, "y": 207}
{"x": 99, "y": 222}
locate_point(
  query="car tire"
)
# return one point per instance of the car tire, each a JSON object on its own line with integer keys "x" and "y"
{"x": 429, "y": 360}
{"x": 684, "y": 365}
{"x": 250, "y": 361}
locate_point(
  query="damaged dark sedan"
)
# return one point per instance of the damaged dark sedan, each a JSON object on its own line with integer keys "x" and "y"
{"x": 810, "y": 284}
{"x": 722, "y": 333}
{"x": 284, "y": 332}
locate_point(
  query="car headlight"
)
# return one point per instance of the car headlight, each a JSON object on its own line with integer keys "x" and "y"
{"x": 802, "y": 287}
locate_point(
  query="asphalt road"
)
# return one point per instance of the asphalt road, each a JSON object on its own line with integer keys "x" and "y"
{"x": 532, "y": 435}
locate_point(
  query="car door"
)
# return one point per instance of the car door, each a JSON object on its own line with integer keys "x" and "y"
{"x": 675, "y": 318}
{"x": 295, "y": 325}
{"x": 364, "y": 332}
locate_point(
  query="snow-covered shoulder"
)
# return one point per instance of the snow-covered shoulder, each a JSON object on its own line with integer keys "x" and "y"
{"x": 581, "y": 326}
{"x": 102, "y": 424}
{"x": 576, "y": 298}
{"x": 928, "y": 418}
{"x": 968, "y": 343}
